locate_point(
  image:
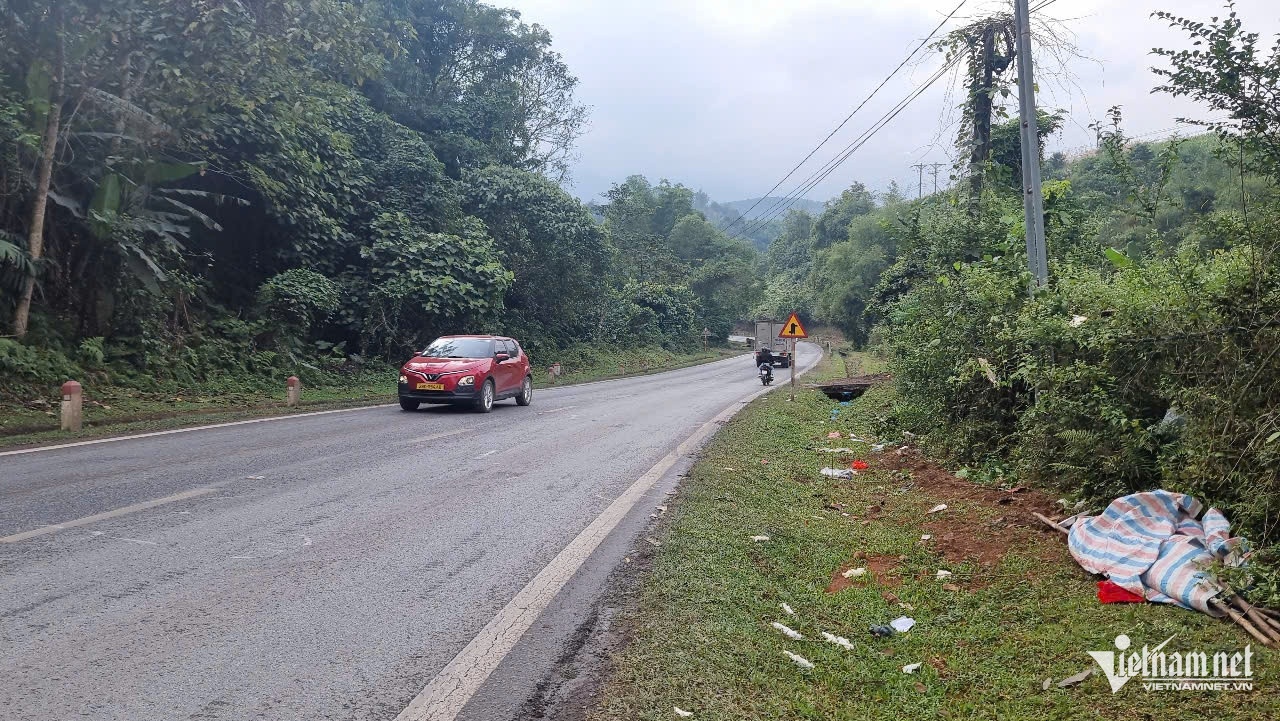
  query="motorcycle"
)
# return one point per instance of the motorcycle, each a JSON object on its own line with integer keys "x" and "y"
{"x": 766, "y": 374}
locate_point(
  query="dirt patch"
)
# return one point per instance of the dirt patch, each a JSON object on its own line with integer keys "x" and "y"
{"x": 881, "y": 570}
{"x": 1015, "y": 504}
{"x": 981, "y": 524}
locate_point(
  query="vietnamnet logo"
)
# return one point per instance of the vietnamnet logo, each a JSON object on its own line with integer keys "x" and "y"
{"x": 1162, "y": 670}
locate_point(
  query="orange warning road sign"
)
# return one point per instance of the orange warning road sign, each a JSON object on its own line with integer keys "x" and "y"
{"x": 793, "y": 328}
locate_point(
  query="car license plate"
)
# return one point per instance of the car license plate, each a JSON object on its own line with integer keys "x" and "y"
{"x": 430, "y": 386}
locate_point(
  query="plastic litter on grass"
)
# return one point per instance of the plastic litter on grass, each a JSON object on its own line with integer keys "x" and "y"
{"x": 799, "y": 660}
{"x": 840, "y": 641}
{"x": 902, "y": 624}
{"x": 788, "y": 632}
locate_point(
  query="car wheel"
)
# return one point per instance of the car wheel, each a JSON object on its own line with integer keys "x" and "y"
{"x": 526, "y": 392}
{"x": 408, "y": 405}
{"x": 484, "y": 403}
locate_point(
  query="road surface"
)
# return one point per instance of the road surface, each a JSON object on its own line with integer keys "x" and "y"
{"x": 362, "y": 564}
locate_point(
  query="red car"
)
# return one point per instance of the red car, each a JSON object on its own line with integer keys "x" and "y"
{"x": 474, "y": 370}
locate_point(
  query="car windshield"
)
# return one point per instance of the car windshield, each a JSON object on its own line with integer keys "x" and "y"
{"x": 459, "y": 348}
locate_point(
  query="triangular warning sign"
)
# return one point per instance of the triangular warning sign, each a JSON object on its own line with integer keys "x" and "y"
{"x": 793, "y": 328}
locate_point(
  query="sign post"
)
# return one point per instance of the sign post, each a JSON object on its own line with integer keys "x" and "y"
{"x": 793, "y": 369}
{"x": 793, "y": 330}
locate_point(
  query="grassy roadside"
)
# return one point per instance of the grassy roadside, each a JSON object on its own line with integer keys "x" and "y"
{"x": 115, "y": 411}
{"x": 1016, "y": 611}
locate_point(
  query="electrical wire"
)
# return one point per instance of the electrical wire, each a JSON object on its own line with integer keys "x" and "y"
{"x": 742, "y": 217}
{"x": 782, "y": 205}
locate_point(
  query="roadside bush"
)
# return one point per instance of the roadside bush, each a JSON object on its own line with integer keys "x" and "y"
{"x": 22, "y": 365}
{"x": 1121, "y": 376}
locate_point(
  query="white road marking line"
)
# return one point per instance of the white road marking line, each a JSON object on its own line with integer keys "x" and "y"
{"x": 486, "y": 454}
{"x": 438, "y": 436}
{"x": 556, "y": 410}
{"x": 138, "y": 541}
{"x": 106, "y": 514}
{"x": 115, "y": 439}
{"x": 443, "y": 698}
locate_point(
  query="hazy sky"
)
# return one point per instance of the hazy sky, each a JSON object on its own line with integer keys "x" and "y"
{"x": 728, "y": 95}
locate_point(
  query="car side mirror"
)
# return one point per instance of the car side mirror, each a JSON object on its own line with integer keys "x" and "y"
{"x": 501, "y": 357}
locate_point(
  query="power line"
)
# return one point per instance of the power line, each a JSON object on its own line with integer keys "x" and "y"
{"x": 848, "y": 117}
{"x": 783, "y": 204}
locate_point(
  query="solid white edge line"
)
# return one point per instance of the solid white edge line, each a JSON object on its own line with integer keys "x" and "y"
{"x": 444, "y": 697}
{"x": 54, "y": 528}
{"x": 153, "y": 434}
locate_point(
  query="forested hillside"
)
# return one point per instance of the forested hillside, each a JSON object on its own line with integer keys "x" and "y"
{"x": 251, "y": 189}
{"x": 1150, "y": 358}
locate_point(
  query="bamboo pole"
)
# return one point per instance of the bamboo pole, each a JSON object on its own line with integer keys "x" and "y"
{"x": 1234, "y": 615}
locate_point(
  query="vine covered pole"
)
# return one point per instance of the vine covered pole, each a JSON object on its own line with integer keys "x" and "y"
{"x": 1032, "y": 200}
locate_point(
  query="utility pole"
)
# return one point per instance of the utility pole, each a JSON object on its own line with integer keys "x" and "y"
{"x": 1032, "y": 201}
{"x": 919, "y": 180}
{"x": 935, "y": 167}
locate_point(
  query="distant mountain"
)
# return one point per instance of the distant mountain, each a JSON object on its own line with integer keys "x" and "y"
{"x": 762, "y": 205}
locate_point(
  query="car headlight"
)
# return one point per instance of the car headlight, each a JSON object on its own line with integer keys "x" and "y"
{"x": 466, "y": 381}
{"x": 403, "y": 378}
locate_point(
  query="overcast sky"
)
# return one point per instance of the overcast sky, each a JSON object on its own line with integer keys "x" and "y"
{"x": 728, "y": 95}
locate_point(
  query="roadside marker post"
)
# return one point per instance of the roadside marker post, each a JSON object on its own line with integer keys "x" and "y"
{"x": 72, "y": 410}
{"x": 293, "y": 391}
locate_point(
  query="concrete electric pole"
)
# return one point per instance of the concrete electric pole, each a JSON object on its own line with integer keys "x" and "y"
{"x": 935, "y": 167}
{"x": 1032, "y": 201}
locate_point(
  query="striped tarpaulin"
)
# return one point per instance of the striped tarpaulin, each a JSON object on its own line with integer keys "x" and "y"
{"x": 1156, "y": 544}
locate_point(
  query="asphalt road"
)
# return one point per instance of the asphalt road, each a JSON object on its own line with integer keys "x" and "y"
{"x": 326, "y": 566}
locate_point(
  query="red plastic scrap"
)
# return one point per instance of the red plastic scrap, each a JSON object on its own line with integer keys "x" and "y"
{"x": 1109, "y": 592}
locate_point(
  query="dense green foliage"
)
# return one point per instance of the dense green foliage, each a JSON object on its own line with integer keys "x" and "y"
{"x": 1151, "y": 359}
{"x": 259, "y": 188}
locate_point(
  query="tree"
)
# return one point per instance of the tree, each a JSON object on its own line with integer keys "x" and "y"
{"x": 1227, "y": 72}
{"x": 833, "y": 225}
{"x": 558, "y": 255}
{"x": 481, "y": 86}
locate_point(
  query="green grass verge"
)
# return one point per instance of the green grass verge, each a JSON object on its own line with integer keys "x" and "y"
{"x": 701, "y": 638}
{"x": 113, "y": 410}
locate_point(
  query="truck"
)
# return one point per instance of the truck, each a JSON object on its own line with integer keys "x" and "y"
{"x": 769, "y": 347}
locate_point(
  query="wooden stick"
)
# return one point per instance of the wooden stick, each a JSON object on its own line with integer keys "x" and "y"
{"x": 1249, "y": 627}
{"x": 1267, "y": 625}
{"x": 1268, "y": 612}
{"x": 1050, "y": 523}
